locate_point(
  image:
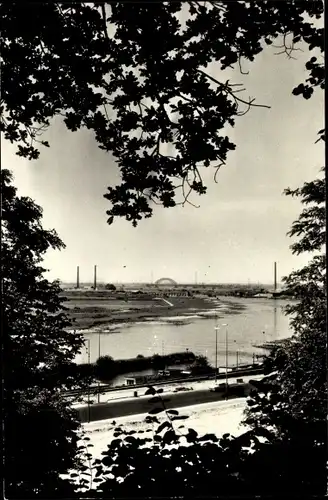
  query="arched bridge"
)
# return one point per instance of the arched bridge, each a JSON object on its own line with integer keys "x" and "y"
{"x": 166, "y": 281}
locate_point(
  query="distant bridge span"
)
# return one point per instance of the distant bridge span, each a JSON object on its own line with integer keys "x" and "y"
{"x": 166, "y": 281}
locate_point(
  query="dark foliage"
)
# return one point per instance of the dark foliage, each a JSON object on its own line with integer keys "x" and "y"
{"x": 110, "y": 286}
{"x": 38, "y": 352}
{"x": 134, "y": 74}
{"x": 107, "y": 368}
{"x": 178, "y": 462}
{"x": 292, "y": 401}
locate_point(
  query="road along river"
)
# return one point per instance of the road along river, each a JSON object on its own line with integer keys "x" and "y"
{"x": 143, "y": 404}
{"x": 261, "y": 320}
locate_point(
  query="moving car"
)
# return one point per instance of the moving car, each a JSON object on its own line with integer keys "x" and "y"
{"x": 238, "y": 390}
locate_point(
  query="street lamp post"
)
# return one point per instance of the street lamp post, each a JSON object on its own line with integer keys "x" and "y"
{"x": 88, "y": 344}
{"x": 237, "y": 354}
{"x": 98, "y": 376}
{"x": 226, "y": 354}
{"x": 216, "y": 352}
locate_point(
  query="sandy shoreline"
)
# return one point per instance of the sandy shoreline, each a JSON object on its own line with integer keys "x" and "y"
{"x": 181, "y": 311}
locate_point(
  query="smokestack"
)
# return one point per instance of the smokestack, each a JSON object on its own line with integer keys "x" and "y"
{"x": 95, "y": 279}
{"x": 78, "y": 277}
{"x": 275, "y": 276}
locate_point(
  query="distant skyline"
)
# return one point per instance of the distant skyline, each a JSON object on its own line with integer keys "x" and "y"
{"x": 153, "y": 282}
{"x": 241, "y": 225}
{"x": 90, "y": 283}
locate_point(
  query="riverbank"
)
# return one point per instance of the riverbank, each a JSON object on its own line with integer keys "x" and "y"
{"x": 91, "y": 313}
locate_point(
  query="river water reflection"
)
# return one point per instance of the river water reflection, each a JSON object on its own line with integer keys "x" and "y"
{"x": 262, "y": 320}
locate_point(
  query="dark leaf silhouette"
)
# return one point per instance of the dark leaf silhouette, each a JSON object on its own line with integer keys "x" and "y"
{"x": 150, "y": 390}
{"x": 162, "y": 426}
{"x": 173, "y": 412}
{"x": 209, "y": 437}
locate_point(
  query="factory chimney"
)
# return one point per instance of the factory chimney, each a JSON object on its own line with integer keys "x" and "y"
{"x": 95, "y": 279}
{"x": 78, "y": 277}
{"x": 275, "y": 276}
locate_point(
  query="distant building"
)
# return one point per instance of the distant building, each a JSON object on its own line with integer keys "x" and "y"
{"x": 170, "y": 293}
{"x": 135, "y": 380}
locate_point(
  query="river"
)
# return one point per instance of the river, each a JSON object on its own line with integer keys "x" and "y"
{"x": 261, "y": 320}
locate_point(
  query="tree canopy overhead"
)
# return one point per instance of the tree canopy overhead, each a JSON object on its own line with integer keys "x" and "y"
{"x": 137, "y": 75}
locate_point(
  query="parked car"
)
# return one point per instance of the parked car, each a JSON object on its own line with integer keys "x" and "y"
{"x": 179, "y": 389}
{"x": 237, "y": 390}
{"x": 218, "y": 388}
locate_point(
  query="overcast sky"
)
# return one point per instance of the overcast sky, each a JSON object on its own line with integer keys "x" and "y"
{"x": 241, "y": 225}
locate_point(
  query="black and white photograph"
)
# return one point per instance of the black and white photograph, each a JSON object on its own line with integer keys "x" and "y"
{"x": 163, "y": 238}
